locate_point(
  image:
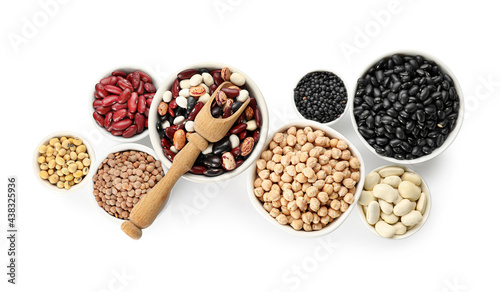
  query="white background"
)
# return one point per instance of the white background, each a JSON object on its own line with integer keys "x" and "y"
{"x": 64, "y": 243}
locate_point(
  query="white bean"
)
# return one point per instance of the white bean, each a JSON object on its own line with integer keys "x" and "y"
{"x": 373, "y": 212}
{"x": 184, "y": 92}
{"x": 242, "y": 96}
{"x": 189, "y": 126}
{"x": 385, "y": 207}
{"x": 412, "y": 177}
{"x": 409, "y": 190}
{"x": 204, "y": 98}
{"x": 371, "y": 180}
{"x": 181, "y": 101}
{"x": 389, "y": 218}
{"x": 412, "y": 218}
{"x": 207, "y": 79}
{"x": 384, "y": 229}
{"x": 392, "y": 180}
{"x": 391, "y": 170}
{"x": 208, "y": 150}
{"x": 195, "y": 80}
{"x": 165, "y": 124}
{"x": 251, "y": 125}
{"x": 237, "y": 79}
{"x": 385, "y": 192}
{"x": 400, "y": 228}
{"x": 167, "y": 96}
{"x": 185, "y": 84}
{"x": 402, "y": 208}
{"x": 179, "y": 120}
{"x": 422, "y": 203}
{"x": 366, "y": 198}
{"x": 235, "y": 141}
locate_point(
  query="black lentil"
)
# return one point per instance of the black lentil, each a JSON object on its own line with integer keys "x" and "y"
{"x": 405, "y": 106}
{"x": 321, "y": 96}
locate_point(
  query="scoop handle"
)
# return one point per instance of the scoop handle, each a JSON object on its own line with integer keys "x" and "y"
{"x": 149, "y": 206}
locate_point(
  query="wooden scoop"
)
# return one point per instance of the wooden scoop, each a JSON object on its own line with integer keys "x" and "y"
{"x": 207, "y": 128}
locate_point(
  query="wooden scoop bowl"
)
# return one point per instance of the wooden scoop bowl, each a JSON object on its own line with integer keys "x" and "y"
{"x": 208, "y": 129}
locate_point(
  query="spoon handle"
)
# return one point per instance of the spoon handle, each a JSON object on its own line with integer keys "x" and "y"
{"x": 149, "y": 206}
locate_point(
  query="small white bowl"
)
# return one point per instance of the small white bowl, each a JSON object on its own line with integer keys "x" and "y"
{"x": 414, "y": 229}
{"x": 95, "y": 168}
{"x": 451, "y": 137}
{"x": 45, "y": 141}
{"x": 331, "y": 123}
{"x": 254, "y": 92}
{"x": 338, "y": 221}
{"x": 102, "y": 129}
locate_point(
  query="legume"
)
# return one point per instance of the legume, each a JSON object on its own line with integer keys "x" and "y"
{"x": 123, "y": 178}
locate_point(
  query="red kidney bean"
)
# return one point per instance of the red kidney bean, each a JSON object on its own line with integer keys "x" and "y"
{"x": 111, "y": 80}
{"x": 170, "y": 131}
{"x": 130, "y": 131}
{"x": 238, "y": 128}
{"x": 258, "y": 117}
{"x": 140, "y": 89}
{"x": 169, "y": 154}
{"x": 197, "y": 108}
{"x": 149, "y": 87}
{"x": 119, "y": 73}
{"x": 124, "y": 83}
{"x": 130, "y": 115}
{"x": 140, "y": 122}
{"x": 129, "y": 77}
{"x": 110, "y": 100}
{"x": 119, "y": 114}
{"x": 113, "y": 89}
{"x": 108, "y": 120}
{"x": 146, "y": 112}
{"x": 146, "y": 123}
{"x": 124, "y": 95}
{"x": 122, "y": 125}
{"x": 132, "y": 102}
{"x": 116, "y": 132}
{"x": 252, "y": 103}
{"x": 141, "y": 104}
{"x": 215, "y": 71}
{"x": 149, "y": 95}
{"x": 98, "y": 118}
{"x": 172, "y": 104}
{"x": 101, "y": 92}
{"x": 144, "y": 77}
{"x": 198, "y": 169}
{"x": 186, "y": 74}
{"x": 239, "y": 163}
{"x": 119, "y": 106}
{"x": 256, "y": 135}
{"x": 171, "y": 112}
{"x": 97, "y": 103}
{"x": 103, "y": 110}
{"x": 175, "y": 88}
{"x": 96, "y": 96}
{"x": 231, "y": 92}
{"x": 135, "y": 79}
{"x": 148, "y": 101}
{"x": 212, "y": 88}
{"x": 164, "y": 143}
{"x": 243, "y": 135}
{"x": 227, "y": 112}
{"x": 240, "y": 119}
{"x": 236, "y": 151}
{"x": 217, "y": 79}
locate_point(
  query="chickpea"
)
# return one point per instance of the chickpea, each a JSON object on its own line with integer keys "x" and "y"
{"x": 307, "y": 217}
{"x": 323, "y": 160}
{"x": 294, "y": 160}
{"x": 319, "y": 184}
{"x": 333, "y": 213}
{"x": 311, "y": 161}
{"x": 342, "y": 145}
{"x": 286, "y": 177}
{"x": 343, "y": 191}
{"x": 292, "y": 206}
{"x": 354, "y": 163}
{"x": 307, "y": 147}
{"x": 312, "y": 191}
{"x": 285, "y": 211}
{"x": 274, "y": 212}
{"x": 267, "y": 155}
{"x": 335, "y": 205}
{"x": 291, "y": 140}
{"x": 295, "y": 213}
{"x": 307, "y": 227}
{"x": 301, "y": 139}
{"x": 259, "y": 192}
{"x": 341, "y": 165}
{"x": 296, "y": 186}
{"x": 327, "y": 168}
{"x": 270, "y": 165}
{"x": 338, "y": 176}
{"x": 336, "y": 153}
{"x": 308, "y": 172}
{"x": 349, "y": 198}
{"x": 272, "y": 145}
{"x": 281, "y": 218}
{"x": 346, "y": 154}
{"x": 316, "y": 218}
{"x": 301, "y": 178}
{"x": 288, "y": 195}
{"x": 276, "y": 188}
{"x": 301, "y": 203}
{"x": 329, "y": 179}
{"x": 314, "y": 204}
{"x": 277, "y": 158}
{"x": 323, "y": 211}
{"x": 278, "y": 137}
{"x": 278, "y": 150}
{"x": 333, "y": 162}
{"x": 303, "y": 156}
{"x": 286, "y": 186}
{"x": 343, "y": 206}
{"x": 311, "y": 137}
{"x": 328, "y": 188}
{"x": 274, "y": 177}
{"x": 285, "y": 160}
{"x": 267, "y": 184}
{"x": 300, "y": 167}
{"x": 336, "y": 187}
{"x": 297, "y": 224}
{"x": 267, "y": 206}
{"x": 261, "y": 164}
{"x": 355, "y": 176}
{"x": 264, "y": 174}
{"x": 257, "y": 182}
{"x": 288, "y": 150}
{"x": 276, "y": 204}
{"x": 323, "y": 197}
{"x": 292, "y": 131}
{"x": 321, "y": 174}
{"x": 305, "y": 186}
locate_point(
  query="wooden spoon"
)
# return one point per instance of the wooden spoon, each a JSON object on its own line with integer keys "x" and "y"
{"x": 208, "y": 129}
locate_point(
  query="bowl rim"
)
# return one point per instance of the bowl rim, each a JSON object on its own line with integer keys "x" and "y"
{"x": 453, "y": 134}
{"x": 59, "y": 134}
{"x": 346, "y": 108}
{"x": 255, "y": 92}
{"x": 91, "y": 109}
{"x": 104, "y": 155}
{"x": 338, "y": 221}
{"x": 424, "y": 187}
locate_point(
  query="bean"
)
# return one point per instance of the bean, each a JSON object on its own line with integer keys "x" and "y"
{"x": 412, "y": 218}
{"x": 109, "y": 100}
{"x": 124, "y": 83}
{"x": 111, "y": 80}
{"x": 119, "y": 73}
{"x": 100, "y": 90}
{"x": 373, "y": 212}
{"x": 130, "y": 131}
{"x": 141, "y": 104}
{"x": 385, "y": 192}
{"x": 409, "y": 190}
{"x": 122, "y": 125}
{"x": 403, "y": 207}
{"x": 140, "y": 121}
{"x": 384, "y": 229}
{"x": 231, "y": 92}
{"x": 197, "y": 169}
{"x": 119, "y": 114}
{"x": 112, "y": 89}
{"x": 124, "y": 95}
{"x": 108, "y": 120}
{"x": 102, "y": 110}
{"x": 98, "y": 118}
{"x": 132, "y": 102}
{"x": 97, "y": 103}
{"x": 186, "y": 74}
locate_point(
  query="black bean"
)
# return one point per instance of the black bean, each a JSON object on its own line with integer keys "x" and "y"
{"x": 400, "y": 133}
{"x": 213, "y": 172}
{"x": 366, "y": 132}
{"x": 216, "y": 111}
{"x": 410, "y": 107}
{"x": 224, "y": 145}
{"x": 381, "y": 141}
{"x": 212, "y": 160}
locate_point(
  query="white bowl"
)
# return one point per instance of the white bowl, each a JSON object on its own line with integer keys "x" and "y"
{"x": 414, "y": 229}
{"x": 338, "y": 221}
{"x": 451, "y": 137}
{"x": 331, "y": 123}
{"x": 45, "y": 141}
{"x": 102, "y": 129}
{"x": 95, "y": 168}
{"x": 254, "y": 92}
